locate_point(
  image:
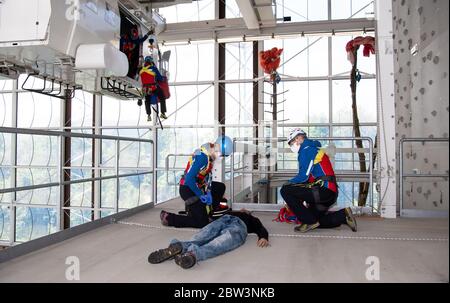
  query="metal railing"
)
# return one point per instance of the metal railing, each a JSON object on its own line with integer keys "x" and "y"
{"x": 61, "y": 168}
{"x": 174, "y": 169}
{"x": 368, "y": 174}
{"x": 402, "y": 174}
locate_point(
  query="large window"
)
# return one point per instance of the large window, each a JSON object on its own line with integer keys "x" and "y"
{"x": 314, "y": 94}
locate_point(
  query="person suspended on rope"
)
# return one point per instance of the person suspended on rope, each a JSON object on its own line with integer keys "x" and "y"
{"x": 151, "y": 80}
{"x": 131, "y": 45}
{"x": 314, "y": 189}
{"x": 216, "y": 238}
{"x": 203, "y": 197}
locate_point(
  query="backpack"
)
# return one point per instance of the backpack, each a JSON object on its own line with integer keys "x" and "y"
{"x": 286, "y": 215}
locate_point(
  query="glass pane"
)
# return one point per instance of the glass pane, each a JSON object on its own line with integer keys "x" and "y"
{"x": 195, "y": 11}
{"x": 82, "y": 110}
{"x": 6, "y": 85}
{"x": 239, "y": 103}
{"x": 303, "y": 10}
{"x": 5, "y": 149}
{"x": 125, "y": 113}
{"x": 302, "y": 57}
{"x": 5, "y": 108}
{"x": 344, "y": 9}
{"x": 344, "y": 161}
{"x": 108, "y": 192}
{"x": 129, "y": 191}
{"x": 365, "y": 100}
{"x": 193, "y": 62}
{"x": 166, "y": 190}
{"x": 194, "y": 104}
{"x": 340, "y": 62}
{"x": 37, "y": 150}
{"x": 5, "y": 182}
{"x": 81, "y": 152}
{"x": 4, "y": 223}
{"x": 348, "y": 194}
{"x": 79, "y": 216}
{"x": 134, "y": 190}
{"x": 32, "y": 223}
{"x": 81, "y": 193}
{"x": 232, "y": 9}
{"x": 239, "y": 60}
{"x": 181, "y": 141}
{"x": 35, "y": 176}
{"x": 37, "y": 110}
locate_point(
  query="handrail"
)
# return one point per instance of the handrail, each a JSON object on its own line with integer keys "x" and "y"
{"x": 282, "y": 139}
{"x": 402, "y": 175}
{"x": 62, "y": 168}
{"x": 38, "y": 132}
{"x": 167, "y": 166}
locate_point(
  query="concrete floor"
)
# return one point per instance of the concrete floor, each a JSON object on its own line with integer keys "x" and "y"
{"x": 118, "y": 253}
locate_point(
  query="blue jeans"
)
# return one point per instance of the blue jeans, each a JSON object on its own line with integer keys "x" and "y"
{"x": 216, "y": 238}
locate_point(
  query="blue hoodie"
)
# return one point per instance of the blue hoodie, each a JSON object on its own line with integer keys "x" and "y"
{"x": 306, "y": 155}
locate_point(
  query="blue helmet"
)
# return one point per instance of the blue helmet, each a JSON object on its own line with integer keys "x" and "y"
{"x": 225, "y": 145}
{"x": 148, "y": 59}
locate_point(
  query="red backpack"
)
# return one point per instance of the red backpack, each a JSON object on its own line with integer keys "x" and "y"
{"x": 286, "y": 215}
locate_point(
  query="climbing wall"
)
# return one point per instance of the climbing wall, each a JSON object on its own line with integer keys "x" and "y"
{"x": 421, "y": 53}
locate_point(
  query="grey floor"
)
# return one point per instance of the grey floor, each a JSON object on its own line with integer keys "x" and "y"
{"x": 118, "y": 253}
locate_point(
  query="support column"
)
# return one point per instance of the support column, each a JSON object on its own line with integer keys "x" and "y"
{"x": 97, "y": 155}
{"x": 386, "y": 109}
{"x": 219, "y": 92}
{"x": 66, "y": 157}
{"x": 13, "y": 176}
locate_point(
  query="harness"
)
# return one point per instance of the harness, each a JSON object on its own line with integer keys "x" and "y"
{"x": 148, "y": 88}
{"x": 319, "y": 182}
{"x": 203, "y": 179}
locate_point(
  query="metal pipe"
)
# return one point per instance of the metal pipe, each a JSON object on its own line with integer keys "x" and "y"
{"x": 401, "y": 172}
{"x": 59, "y": 211}
{"x": 371, "y": 172}
{"x": 32, "y": 187}
{"x": 425, "y": 175}
{"x": 39, "y": 132}
{"x": 213, "y": 126}
{"x": 117, "y": 173}
{"x": 167, "y": 165}
{"x": 231, "y": 201}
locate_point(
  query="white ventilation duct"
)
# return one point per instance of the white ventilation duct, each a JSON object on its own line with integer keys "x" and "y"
{"x": 104, "y": 57}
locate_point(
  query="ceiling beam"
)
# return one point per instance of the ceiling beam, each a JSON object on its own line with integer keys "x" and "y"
{"x": 236, "y": 28}
{"x": 248, "y": 13}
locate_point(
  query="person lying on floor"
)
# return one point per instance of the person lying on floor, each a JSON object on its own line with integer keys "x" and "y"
{"x": 218, "y": 237}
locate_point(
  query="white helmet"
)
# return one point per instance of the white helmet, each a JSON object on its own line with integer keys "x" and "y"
{"x": 294, "y": 133}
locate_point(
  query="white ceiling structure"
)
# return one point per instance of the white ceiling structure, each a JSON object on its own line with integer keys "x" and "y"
{"x": 257, "y": 13}
{"x": 258, "y": 22}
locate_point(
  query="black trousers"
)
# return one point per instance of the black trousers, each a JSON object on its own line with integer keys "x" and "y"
{"x": 197, "y": 215}
{"x": 294, "y": 197}
{"x": 162, "y": 102}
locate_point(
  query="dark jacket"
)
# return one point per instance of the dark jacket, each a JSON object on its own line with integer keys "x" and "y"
{"x": 253, "y": 224}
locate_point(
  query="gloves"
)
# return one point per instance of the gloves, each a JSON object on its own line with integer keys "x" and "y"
{"x": 206, "y": 199}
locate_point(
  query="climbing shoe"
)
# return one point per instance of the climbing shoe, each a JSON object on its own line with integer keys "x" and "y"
{"x": 163, "y": 216}
{"x": 163, "y": 116}
{"x": 164, "y": 254}
{"x": 350, "y": 219}
{"x": 303, "y": 228}
{"x": 149, "y": 118}
{"x": 186, "y": 260}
